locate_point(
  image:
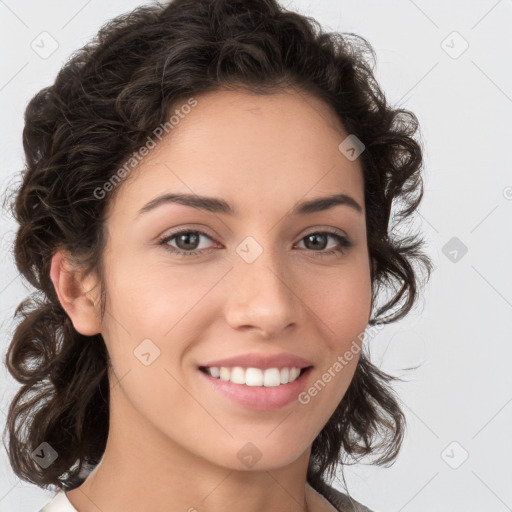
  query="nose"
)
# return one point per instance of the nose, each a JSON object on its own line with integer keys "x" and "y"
{"x": 260, "y": 296}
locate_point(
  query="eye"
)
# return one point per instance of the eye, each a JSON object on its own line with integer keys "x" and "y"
{"x": 187, "y": 239}
{"x": 189, "y": 242}
{"x": 319, "y": 238}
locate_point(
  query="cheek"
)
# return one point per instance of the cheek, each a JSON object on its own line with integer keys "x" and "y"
{"x": 342, "y": 311}
{"x": 165, "y": 305}
{"x": 342, "y": 301}
{"x": 148, "y": 294}
{"x": 342, "y": 307}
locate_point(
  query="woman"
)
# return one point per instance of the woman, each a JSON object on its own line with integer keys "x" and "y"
{"x": 205, "y": 215}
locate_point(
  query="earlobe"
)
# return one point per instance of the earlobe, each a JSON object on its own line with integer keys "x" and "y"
{"x": 77, "y": 295}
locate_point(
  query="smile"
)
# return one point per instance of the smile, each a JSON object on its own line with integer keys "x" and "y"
{"x": 255, "y": 388}
{"x": 270, "y": 377}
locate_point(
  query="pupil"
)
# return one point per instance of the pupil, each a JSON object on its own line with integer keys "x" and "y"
{"x": 314, "y": 237}
{"x": 186, "y": 238}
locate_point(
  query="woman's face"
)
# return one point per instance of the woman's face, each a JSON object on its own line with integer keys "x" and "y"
{"x": 259, "y": 281}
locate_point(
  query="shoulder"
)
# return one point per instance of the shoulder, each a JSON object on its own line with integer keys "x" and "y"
{"x": 343, "y": 502}
{"x": 59, "y": 503}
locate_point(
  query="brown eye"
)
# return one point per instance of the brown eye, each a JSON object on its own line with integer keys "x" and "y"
{"x": 318, "y": 241}
{"x": 187, "y": 242}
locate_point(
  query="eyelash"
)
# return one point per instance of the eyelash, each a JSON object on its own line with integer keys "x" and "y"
{"x": 343, "y": 241}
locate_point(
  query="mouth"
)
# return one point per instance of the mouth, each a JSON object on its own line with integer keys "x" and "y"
{"x": 255, "y": 388}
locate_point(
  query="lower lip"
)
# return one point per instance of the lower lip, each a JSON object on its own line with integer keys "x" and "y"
{"x": 260, "y": 397}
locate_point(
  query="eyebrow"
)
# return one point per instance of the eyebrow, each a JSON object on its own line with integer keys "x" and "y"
{"x": 216, "y": 205}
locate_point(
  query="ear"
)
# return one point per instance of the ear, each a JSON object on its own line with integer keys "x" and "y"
{"x": 79, "y": 296}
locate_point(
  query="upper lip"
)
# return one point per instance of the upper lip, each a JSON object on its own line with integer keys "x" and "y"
{"x": 263, "y": 361}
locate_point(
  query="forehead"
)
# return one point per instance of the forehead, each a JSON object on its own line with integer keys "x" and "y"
{"x": 259, "y": 121}
{"x": 250, "y": 149}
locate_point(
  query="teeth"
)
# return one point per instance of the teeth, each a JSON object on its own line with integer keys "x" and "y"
{"x": 214, "y": 371}
{"x": 255, "y": 376}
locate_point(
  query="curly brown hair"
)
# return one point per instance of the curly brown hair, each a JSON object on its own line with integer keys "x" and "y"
{"x": 105, "y": 102}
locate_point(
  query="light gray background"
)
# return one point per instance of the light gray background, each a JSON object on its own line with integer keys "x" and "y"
{"x": 459, "y": 402}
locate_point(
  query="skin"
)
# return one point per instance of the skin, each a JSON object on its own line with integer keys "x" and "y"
{"x": 173, "y": 441}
